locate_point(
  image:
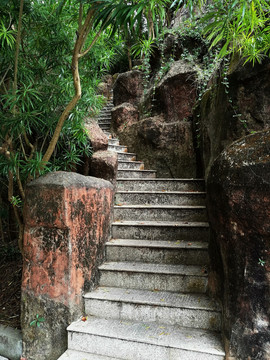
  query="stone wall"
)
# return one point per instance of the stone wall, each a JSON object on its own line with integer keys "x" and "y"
{"x": 67, "y": 218}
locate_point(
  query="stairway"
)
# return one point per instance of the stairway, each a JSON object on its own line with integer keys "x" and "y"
{"x": 151, "y": 302}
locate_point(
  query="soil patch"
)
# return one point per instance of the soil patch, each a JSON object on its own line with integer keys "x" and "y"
{"x": 10, "y": 288}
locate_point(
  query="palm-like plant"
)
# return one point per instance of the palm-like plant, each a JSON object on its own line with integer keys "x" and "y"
{"x": 236, "y": 25}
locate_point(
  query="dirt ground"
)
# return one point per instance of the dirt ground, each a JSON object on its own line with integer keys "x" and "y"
{"x": 10, "y": 290}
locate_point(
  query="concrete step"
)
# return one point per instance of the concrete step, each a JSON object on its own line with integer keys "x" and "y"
{"x": 105, "y": 112}
{"x": 81, "y": 355}
{"x": 158, "y": 306}
{"x": 146, "y": 276}
{"x": 108, "y": 134}
{"x": 161, "y": 230}
{"x": 137, "y": 174}
{"x": 104, "y": 120}
{"x": 159, "y": 197}
{"x": 125, "y": 156}
{"x": 130, "y": 165}
{"x": 143, "y": 340}
{"x": 187, "y": 185}
{"x": 158, "y": 251}
{"x": 105, "y": 126}
{"x": 160, "y": 213}
{"x": 113, "y": 141}
{"x": 117, "y": 148}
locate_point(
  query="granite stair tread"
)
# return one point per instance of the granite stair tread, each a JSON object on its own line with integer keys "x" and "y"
{"x": 175, "y": 244}
{"x": 167, "y": 336}
{"x": 81, "y": 355}
{"x": 156, "y": 298}
{"x": 191, "y": 270}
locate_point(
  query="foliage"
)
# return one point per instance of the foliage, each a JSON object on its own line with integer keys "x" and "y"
{"x": 37, "y": 321}
{"x": 30, "y": 111}
{"x": 237, "y": 25}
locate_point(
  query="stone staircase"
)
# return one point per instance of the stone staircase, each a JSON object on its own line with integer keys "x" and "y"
{"x": 151, "y": 302}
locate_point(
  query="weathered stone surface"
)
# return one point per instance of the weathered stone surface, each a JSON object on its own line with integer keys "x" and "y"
{"x": 123, "y": 116}
{"x": 104, "y": 88}
{"x": 175, "y": 94}
{"x": 99, "y": 140}
{"x": 162, "y": 146}
{"x": 67, "y": 218}
{"x": 104, "y": 165}
{"x": 128, "y": 87}
{"x": 165, "y": 140}
{"x": 226, "y": 117}
{"x": 238, "y": 191}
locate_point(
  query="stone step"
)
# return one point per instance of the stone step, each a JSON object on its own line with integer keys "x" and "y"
{"x": 192, "y": 185}
{"x": 104, "y": 120}
{"x": 147, "y": 276}
{"x": 160, "y": 213}
{"x": 117, "y": 148}
{"x": 158, "y": 251}
{"x": 107, "y": 108}
{"x": 104, "y": 126}
{"x": 158, "y": 306}
{"x": 81, "y": 355}
{"x": 130, "y": 165}
{"x": 125, "y": 156}
{"x": 105, "y": 112}
{"x": 136, "y": 174}
{"x": 158, "y": 230}
{"x": 159, "y": 197}
{"x": 113, "y": 141}
{"x": 143, "y": 341}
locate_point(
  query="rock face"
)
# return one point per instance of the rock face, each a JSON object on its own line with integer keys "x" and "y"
{"x": 128, "y": 87}
{"x": 99, "y": 140}
{"x": 165, "y": 139}
{"x": 228, "y": 113}
{"x": 104, "y": 88}
{"x": 67, "y": 218}
{"x": 238, "y": 189}
{"x": 165, "y": 147}
{"x": 104, "y": 165}
{"x": 123, "y": 116}
{"x": 175, "y": 94}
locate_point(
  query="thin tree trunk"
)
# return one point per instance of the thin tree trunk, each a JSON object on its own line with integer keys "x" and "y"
{"x": 17, "y": 49}
{"x": 77, "y": 54}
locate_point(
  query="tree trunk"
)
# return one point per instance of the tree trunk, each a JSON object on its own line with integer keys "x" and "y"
{"x": 18, "y": 42}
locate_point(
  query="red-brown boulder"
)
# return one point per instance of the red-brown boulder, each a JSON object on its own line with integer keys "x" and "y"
{"x": 104, "y": 165}
{"x": 99, "y": 140}
{"x": 128, "y": 87}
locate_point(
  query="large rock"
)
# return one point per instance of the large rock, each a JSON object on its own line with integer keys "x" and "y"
{"x": 175, "y": 94}
{"x": 128, "y": 87}
{"x": 238, "y": 190}
{"x": 99, "y": 140}
{"x": 104, "y": 87}
{"x": 229, "y": 112}
{"x": 163, "y": 141}
{"x": 168, "y": 148}
{"x": 67, "y": 220}
{"x": 104, "y": 165}
{"x": 123, "y": 116}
